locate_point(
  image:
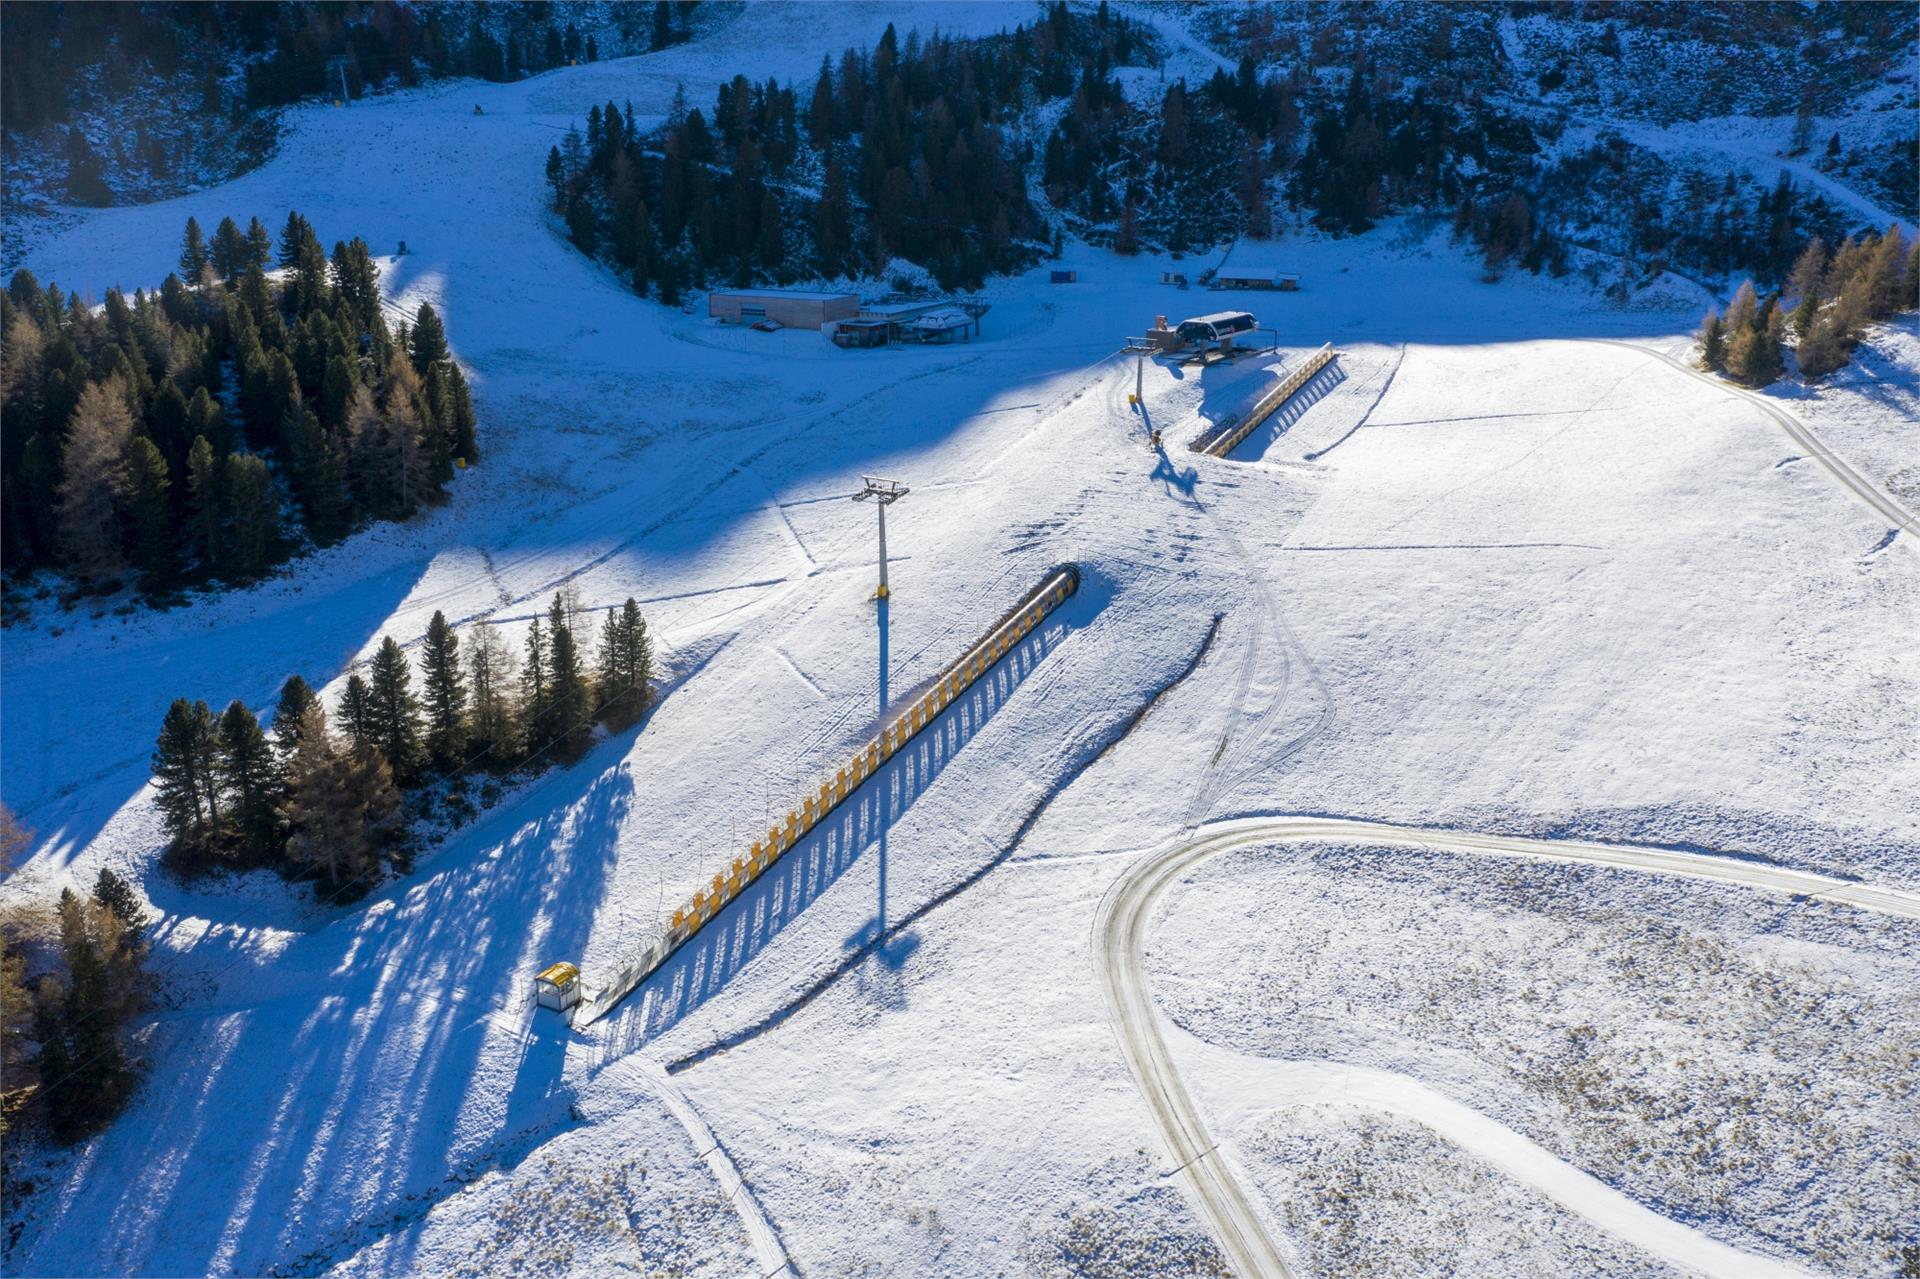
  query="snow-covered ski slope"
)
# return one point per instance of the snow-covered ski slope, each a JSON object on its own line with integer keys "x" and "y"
{"x": 1542, "y": 586}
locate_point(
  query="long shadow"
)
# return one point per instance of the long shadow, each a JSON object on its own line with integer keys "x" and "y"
{"x": 702, "y": 968}
{"x": 329, "y": 1106}
{"x": 121, "y": 692}
{"x": 1268, "y": 433}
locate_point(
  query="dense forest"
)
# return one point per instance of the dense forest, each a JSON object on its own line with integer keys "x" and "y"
{"x": 209, "y": 428}
{"x": 104, "y": 103}
{"x": 928, "y": 150}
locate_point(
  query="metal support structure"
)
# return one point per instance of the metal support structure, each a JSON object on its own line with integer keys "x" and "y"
{"x": 884, "y": 493}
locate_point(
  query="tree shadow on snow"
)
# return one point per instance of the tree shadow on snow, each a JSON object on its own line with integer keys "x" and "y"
{"x": 305, "y": 1117}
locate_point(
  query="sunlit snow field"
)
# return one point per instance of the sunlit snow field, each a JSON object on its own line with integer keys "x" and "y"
{"x": 1495, "y": 575}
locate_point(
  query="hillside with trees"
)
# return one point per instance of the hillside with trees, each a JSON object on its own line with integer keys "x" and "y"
{"x": 122, "y": 103}
{"x": 209, "y": 429}
{"x": 975, "y": 156}
{"x": 328, "y": 797}
{"x": 73, "y": 979}
{"x": 1825, "y": 306}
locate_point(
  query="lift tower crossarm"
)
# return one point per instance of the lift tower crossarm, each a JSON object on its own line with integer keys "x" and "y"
{"x": 884, "y": 493}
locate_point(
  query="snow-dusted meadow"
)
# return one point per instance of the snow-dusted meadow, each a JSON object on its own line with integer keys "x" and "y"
{"x": 1498, "y": 574}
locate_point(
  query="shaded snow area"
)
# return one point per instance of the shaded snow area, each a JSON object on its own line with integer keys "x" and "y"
{"x": 1732, "y": 1060}
{"x": 1494, "y": 571}
{"x": 620, "y": 1193}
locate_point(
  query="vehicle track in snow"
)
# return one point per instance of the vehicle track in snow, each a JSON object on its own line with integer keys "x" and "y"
{"x": 1212, "y": 1184}
{"x": 1863, "y": 488}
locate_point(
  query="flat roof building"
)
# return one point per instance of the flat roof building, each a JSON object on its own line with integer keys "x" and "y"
{"x": 791, "y": 308}
{"x": 1255, "y": 277}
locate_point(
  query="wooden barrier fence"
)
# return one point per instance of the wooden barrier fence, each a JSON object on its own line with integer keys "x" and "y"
{"x": 817, "y": 804}
{"x": 1227, "y": 437}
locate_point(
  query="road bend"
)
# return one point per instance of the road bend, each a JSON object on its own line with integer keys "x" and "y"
{"x": 1120, "y": 930}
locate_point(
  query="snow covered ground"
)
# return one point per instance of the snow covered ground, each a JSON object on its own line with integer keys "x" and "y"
{"x": 1663, "y": 1036}
{"x": 1495, "y": 576}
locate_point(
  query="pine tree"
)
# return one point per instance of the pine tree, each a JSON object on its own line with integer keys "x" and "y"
{"x": 356, "y": 712}
{"x": 1713, "y": 344}
{"x": 626, "y": 664}
{"x": 186, "y": 789}
{"x": 92, "y": 478}
{"x": 393, "y": 711}
{"x": 534, "y": 688}
{"x": 259, "y": 245}
{"x": 570, "y": 701}
{"x": 490, "y": 673}
{"x": 342, "y": 804}
{"x": 229, "y": 255}
{"x": 255, "y": 513}
{"x": 118, "y": 896}
{"x": 193, "y": 254}
{"x": 466, "y": 442}
{"x": 428, "y": 343}
{"x": 252, "y": 778}
{"x": 446, "y": 694}
{"x": 149, "y": 514}
{"x": 203, "y": 497}
{"x": 290, "y": 713}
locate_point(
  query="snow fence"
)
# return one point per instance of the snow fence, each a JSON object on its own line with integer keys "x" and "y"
{"x": 906, "y": 724}
{"x": 1227, "y": 436}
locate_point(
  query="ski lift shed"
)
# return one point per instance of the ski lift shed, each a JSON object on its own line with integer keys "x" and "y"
{"x": 557, "y": 986}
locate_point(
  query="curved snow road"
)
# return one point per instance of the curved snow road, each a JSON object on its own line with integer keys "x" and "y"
{"x": 1120, "y": 929}
{"x": 1863, "y": 488}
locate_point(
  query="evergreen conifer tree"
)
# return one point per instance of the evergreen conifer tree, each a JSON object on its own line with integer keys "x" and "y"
{"x": 193, "y": 254}
{"x": 118, "y": 896}
{"x": 534, "y": 688}
{"x": 254, "y": 509}
{"x": 1713, "y": 343}
{"x": 446, "y": 694}
{"x": 466, "y": 441}
{"x": 252, "y": 779}
{"x": 149, "y": 514}
{"x": 184, "y": 772}
{"x": 428, "y": 341}
{"x": 290, "y": 713}
{"x": 356, "y": 712}
{"x": 626, "y": 664}
{"x": 394, "y": 711}
{"x": 570, "y": 700}
{"x": 206, "y": 519}
{"x": 259, "y": 245}
{"x": 228, "y": 254}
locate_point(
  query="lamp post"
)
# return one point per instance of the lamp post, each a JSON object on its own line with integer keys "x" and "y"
{"x": 884, "y": 494}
